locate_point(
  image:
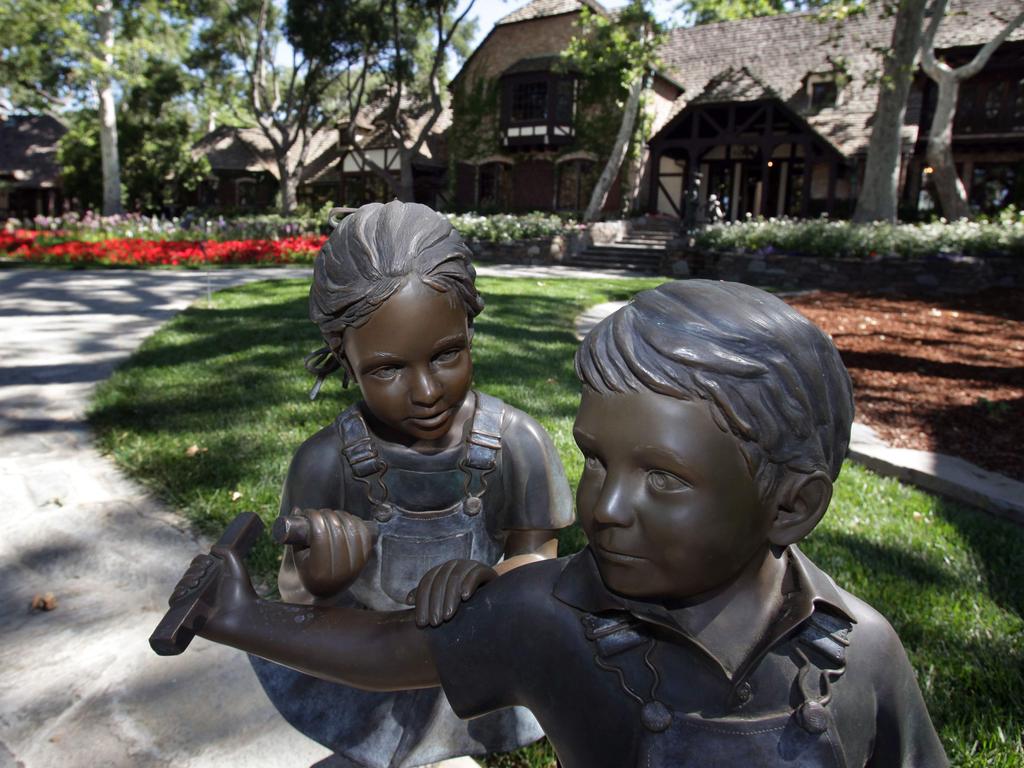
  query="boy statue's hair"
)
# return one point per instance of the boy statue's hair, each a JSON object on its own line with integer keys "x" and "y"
{"x": 369, "y": 256}
{"x": 772, "y": 378}
{"x": 372, "y": 252}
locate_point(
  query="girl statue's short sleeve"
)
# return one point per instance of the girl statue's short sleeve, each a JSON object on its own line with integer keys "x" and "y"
{"x": 537, "y": 495}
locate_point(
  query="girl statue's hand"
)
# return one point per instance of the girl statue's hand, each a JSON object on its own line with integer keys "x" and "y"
{"x": 444, "y": 587}
{"x": 330, "y": 547}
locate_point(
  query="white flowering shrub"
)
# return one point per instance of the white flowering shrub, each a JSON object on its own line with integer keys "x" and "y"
{"x": 91, "y": 227}
{"x": 502, "y": 227}
{"x": 1003, "y": 236}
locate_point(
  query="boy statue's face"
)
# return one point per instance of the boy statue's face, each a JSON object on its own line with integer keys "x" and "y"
{"x": 666, "y": 499}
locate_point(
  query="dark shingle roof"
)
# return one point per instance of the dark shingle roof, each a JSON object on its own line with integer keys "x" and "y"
{"x": 779, "y": 52}
{"x": 538, "y": 9}
{"x": 734, "y": 85}
{"x": 248, "y": 149}
{"x": 28, "y": 150}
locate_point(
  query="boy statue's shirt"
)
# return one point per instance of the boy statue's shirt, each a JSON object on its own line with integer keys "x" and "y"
{"x": 616, "y": 682}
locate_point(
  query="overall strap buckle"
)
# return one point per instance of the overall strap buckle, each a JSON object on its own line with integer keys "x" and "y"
{"x": 360, "y": 452}
{"x": 482, "y": 449}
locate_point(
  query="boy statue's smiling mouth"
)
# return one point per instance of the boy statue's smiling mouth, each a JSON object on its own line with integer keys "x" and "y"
{"x": 616, "y": 556}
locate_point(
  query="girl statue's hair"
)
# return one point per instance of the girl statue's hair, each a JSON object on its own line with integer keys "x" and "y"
{"x": 369, "y": 256}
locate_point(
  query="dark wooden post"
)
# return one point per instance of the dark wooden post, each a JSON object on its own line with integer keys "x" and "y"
{"x": 805, "y": 198}
{"x": 830, "y": 204}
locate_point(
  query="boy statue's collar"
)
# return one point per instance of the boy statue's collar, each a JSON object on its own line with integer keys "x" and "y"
{"x": 807, "y": 586}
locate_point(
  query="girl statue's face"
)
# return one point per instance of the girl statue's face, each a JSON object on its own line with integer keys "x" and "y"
{"x": 411, "y": 360}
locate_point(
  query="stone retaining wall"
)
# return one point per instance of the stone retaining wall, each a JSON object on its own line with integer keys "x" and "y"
{"x": 942, "y": 273}
{"x": 939, "y": 274}
{"x": 537, "y": 251}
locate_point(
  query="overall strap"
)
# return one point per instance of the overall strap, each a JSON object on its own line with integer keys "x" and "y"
{"x": 482, "y": 449}
{"x": 360, "y": 452}
{"x": 613, "y": 635}
{"x": 821, "y": 644}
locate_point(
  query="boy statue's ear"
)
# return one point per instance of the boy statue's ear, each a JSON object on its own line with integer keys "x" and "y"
{"x": 801, "y": 502}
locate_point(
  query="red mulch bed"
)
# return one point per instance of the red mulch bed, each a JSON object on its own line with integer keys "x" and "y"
{"x": 945, "y": 375}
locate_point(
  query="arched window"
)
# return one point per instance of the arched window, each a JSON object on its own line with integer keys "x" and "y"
{"x": 245, "y": 193}
{"x": 575, "y": 181}
{"x": 493, "y": 184}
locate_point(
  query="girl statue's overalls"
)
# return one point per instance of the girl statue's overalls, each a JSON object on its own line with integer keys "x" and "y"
{"x": 428, "y": 509}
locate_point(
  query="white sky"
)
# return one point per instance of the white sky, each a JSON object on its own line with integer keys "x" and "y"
{"x": 489, "y": 11}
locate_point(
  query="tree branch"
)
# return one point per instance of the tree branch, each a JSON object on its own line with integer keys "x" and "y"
{"x": 981, "y": 57}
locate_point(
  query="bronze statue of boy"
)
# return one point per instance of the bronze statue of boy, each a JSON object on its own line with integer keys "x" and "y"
{"x": 691, "y": 631}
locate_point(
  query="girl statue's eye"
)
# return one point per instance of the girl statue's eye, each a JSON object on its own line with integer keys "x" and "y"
{"x": 665, "y": 482}
{"x": 592, "y": 462}
{"x": 386, "y": 373}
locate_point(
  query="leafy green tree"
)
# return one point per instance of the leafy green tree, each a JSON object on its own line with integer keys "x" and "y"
{"x": 291, "y": 102}
{"x": 61, "y": 54}
{"x": 395, "y": 55}
{"x": 155, "y": 136}
{"x": 623, "y": 50}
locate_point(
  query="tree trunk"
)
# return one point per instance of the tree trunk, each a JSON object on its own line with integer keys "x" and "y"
{"x": 289, "y": 188}
{"x": 878, "y": 195}
{"x": 950, "y": 189}
{"x": 406, "y": 188}
{"x": 611, "y": 168}
{"x": 109, "y": 160}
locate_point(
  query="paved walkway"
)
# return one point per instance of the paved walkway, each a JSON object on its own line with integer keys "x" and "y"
{"x": 946, "y": 475}
{"x": 79, "y": 685}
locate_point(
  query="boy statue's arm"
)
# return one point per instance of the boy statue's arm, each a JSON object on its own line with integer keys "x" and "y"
{"x": 365, "y": 649}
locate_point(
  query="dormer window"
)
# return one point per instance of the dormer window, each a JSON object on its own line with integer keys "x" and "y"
{"x": 822, "y": 92}
{"x": 529, "y": 102}
{"x": 538, "y": 105}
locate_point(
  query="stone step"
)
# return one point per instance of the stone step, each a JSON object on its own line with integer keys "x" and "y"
{"x": 625, "y": 248}
{"x": 611, "y": 258}
{"x": 640, "y": 269}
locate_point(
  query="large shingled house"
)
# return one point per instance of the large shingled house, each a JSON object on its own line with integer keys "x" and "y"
{"x": 771, "y": 115}
{"x": 30, "y": 182}
{"x": 245, "y": 176}
{"x": 776, "y": 113}
{"x": 526, "y": 133}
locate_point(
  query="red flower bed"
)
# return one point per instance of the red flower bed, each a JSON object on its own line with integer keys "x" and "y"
{"x": 31, "y": 246}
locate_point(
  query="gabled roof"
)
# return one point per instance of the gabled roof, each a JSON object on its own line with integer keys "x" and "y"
{"x": 734, "y": 85}
{"x": 781, "y": 51}
{"x": 247, "y": 149}
{"x": 539, "y": 9}
{"x": 28, "y": 151}
{"x": 375, "y": 133}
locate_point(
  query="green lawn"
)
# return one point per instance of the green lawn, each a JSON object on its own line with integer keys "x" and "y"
{"x": 228, "y": 380}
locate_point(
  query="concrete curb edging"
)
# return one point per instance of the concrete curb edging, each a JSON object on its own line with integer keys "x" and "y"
{"x": 946, "y": 475}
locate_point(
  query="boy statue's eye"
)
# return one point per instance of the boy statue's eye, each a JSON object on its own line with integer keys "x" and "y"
{"x": 592, "y": 462}
{"x": 665, "y": 482}
{"x": 447, "y": 356}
